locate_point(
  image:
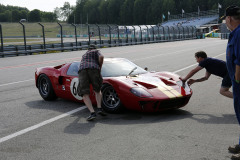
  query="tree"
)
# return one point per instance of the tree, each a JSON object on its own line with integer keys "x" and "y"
{"x": 103, "y": 12}
{"x": 48, "y": 17}
{"x": 113, "y": 10}
{"x": 34, "y": 16}
{"x": 65, "y": 11}
{"x": 57, "y": 12}
{"x": 140, "y": 7}
{"x": 3, "y": 17}
{"x": 78, "y": 11}
{"x": 91, "y": 11}
{"x": 155, "y": 12}
{"x": 126, "y": 12}
{"x": 16, "y": 16}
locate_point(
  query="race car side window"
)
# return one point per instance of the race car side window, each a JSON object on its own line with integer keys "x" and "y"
{"x": 73, "y": 69}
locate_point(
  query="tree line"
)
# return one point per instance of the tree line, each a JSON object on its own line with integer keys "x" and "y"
{"x": 15, "y": 14}
{"x": 136, "y": 12}
{"x": 121, "y": 12}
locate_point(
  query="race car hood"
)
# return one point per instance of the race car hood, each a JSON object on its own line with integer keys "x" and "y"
{"x": 156, "y": 83}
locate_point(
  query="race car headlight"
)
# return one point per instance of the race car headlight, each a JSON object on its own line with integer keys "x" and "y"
{"x": 140, "y": 92}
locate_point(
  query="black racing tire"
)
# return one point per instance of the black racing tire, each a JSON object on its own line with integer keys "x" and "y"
{"x": 110, "y": 100}
{"x": 45, "y": 88}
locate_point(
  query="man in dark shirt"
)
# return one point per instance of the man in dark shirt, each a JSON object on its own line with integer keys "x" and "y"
{"x": 213, "y": 66}
{"x": 90, "y": 73}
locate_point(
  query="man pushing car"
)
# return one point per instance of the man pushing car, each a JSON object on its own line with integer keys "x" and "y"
{"x": 90, "y": 73}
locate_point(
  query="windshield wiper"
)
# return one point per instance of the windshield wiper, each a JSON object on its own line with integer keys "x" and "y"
{"x": 132, "y": 71}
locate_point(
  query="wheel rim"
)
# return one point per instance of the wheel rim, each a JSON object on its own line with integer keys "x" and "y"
{"x": 110, "y": 97}
{"x": 44, "y": 86}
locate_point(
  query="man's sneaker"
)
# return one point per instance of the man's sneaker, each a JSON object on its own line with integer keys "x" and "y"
{"x": 234, "y": 149}
{"x": 92, "y": 116}
{"x": 235, "y": 157}
{"x": 101, "y": 112}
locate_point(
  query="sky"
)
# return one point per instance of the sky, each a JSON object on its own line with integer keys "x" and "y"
{"x": 42, "y": 5}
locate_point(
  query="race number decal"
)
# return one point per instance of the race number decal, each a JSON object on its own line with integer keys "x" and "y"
{"x": 73, "y": 88}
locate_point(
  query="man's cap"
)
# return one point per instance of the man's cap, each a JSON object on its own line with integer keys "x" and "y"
{"x": 92, "y": 46}
{"x": 231, "y": 11}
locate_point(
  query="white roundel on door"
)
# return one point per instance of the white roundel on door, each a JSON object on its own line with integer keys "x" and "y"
{"x": 73, "y": 88}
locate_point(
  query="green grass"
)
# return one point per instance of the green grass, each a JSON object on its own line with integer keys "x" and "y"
{"x": 13, "y": 33}
{"x": 7, "y": 40}
{"x": 34, "y": 29}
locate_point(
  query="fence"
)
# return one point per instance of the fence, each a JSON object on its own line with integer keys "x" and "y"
{"x": 77, "y": 37}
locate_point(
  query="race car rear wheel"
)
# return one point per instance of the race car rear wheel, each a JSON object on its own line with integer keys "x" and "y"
{"x": 45, "y": 88}
{"x": 110, "y": 100}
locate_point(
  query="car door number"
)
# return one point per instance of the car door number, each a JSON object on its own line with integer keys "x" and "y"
{"x": 73, "y": 88}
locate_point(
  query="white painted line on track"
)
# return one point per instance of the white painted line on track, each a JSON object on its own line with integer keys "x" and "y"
{"x": 164, "y": 54}
{"x": 16, "y": 82}
{"x": 40, "y": 124}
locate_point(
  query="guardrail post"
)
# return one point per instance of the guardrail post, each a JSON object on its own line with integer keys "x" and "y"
{"x": 164, "y": 36}
{"x": 140, "y": 32}
{"x": 99, "y": 33}
{"x": 168, "y": 33}
{"x": 24, "y": 36}
{"x": 153, "y": 32}
{"x": 1, "y": 38}
{"x": 183, "y": 33}
{"x": 44, "y": 42}
{"x": 61, "y": 34}
{"x": 134, "y": 34}
{"x": 75, "y": 31}
{"x": 118, "y": 33}
{"x": 89, "y": 35}
{"x": 178, "y": 32}
{"x": 126, "y": 33}
{"x": 110, "y": 35}
{"x": 173, "y": 33}
{"x": 188, "y": 31}
{"x": 192, "y": 32}
{"x": 158, "y": 33}
{"x": 195, "y": 30}
{"x": 147, "y": 32}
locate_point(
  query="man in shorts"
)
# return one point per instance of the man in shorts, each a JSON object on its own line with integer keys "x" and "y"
{"x": 213, "y": 66}
{"x": 90, "y": 73}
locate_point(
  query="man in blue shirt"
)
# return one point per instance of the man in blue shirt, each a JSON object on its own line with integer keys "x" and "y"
{"x": 213, "y": 66}
{"x": 232, "y": 19}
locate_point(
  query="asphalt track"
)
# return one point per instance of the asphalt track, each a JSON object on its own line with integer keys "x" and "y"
{"x": 33, "y": 129}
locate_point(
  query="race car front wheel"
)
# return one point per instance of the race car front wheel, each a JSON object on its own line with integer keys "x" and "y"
{"x": 45, "y": 88}
{"x": 110, "y": 100}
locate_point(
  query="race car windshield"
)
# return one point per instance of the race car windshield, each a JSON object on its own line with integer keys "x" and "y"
{"x": 111, "y": 68}
{"x": 120, "y": 67}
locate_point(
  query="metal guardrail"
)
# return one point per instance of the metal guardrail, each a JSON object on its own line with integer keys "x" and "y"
{"x": 225, "y": 35}
{"x": 115, "y": 37}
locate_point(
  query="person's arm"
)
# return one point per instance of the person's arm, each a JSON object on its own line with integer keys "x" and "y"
{"x": 207, "y": 75}
{"x": 100, "y": 59}
{"x": 237, "y": 74}
{"x": 191, "y": 73}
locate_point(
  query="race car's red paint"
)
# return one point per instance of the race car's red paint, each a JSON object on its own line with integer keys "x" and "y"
{"x": 164, "y": 93}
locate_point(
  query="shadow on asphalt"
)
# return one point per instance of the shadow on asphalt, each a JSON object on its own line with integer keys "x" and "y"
{"x": 81, "y": 126}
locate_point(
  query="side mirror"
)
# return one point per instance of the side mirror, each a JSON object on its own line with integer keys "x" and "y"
{"x": 146, "y": 69}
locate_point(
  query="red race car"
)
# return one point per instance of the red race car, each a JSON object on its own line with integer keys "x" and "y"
{"x": 125, "y": 85}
